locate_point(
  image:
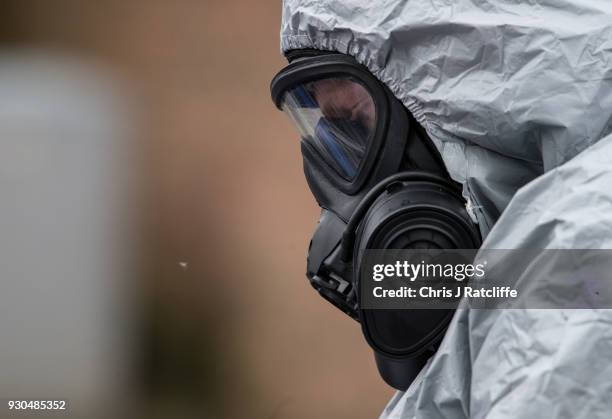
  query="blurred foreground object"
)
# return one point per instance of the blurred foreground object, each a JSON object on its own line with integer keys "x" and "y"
{"x": 65, "y": 246}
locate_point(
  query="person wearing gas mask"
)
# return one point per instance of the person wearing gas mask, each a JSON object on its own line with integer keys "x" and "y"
{"x": 468, "y": 125}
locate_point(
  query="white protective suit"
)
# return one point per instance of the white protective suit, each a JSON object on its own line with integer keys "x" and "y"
{"x": 517, "y": 96}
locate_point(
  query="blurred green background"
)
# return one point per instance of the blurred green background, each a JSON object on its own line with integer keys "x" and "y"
{"x": 226, "y": 325}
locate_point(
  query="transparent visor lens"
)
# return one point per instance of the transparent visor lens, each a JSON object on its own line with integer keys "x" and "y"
{"x": 336, "y": 116}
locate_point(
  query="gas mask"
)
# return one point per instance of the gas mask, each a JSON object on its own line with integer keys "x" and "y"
{"x": 381, "y": 184}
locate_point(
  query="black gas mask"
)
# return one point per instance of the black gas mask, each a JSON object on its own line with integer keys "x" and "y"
{"x": 381, "y": 184}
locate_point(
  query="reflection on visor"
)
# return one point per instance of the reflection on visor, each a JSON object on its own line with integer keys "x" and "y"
{"x": 335, "y": 116}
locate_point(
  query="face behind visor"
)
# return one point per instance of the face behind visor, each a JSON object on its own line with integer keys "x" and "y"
{"x": 381, "y": 184}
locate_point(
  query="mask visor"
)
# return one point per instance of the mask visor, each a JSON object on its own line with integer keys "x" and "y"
{"x": 336, "y": 117}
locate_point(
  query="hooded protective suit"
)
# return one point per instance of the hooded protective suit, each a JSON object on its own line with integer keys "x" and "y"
{"x": 517, "y": 96}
